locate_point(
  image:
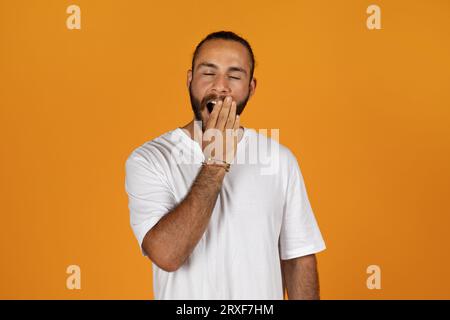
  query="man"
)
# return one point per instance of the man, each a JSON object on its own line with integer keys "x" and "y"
{"x": 215, "y": 227}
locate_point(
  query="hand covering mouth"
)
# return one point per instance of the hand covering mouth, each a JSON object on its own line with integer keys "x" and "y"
{"x": 210, "y": 105}
{"x": 211, "y": 101}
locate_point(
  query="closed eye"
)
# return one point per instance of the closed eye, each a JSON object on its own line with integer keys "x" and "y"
{"x": 213, "y": 74}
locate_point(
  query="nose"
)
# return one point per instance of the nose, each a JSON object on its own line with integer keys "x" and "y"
{"x": 221, "y": 85}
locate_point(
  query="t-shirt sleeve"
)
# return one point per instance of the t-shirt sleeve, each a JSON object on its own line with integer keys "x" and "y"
{"x": 300, "y": 234}
{"x": 149, "y": 197}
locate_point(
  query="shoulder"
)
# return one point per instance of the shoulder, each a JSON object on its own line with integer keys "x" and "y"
{"x": 153, "y": 151}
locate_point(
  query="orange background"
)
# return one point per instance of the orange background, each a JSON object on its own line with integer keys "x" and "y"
{"x": 367, "y": 112}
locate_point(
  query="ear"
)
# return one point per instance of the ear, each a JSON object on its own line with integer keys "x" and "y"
{"x": 189, "y": 78}
{"x": 253, "y": 86}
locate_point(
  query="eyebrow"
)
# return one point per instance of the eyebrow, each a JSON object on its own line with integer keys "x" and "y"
{"x": 212, "y": 65}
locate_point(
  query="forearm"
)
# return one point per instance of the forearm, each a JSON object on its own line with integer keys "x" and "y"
{"x": 170, "y": 242}
{"x": 301, "y": 278}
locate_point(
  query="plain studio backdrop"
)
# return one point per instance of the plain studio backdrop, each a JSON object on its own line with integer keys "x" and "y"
{"x": 366, "y": 112}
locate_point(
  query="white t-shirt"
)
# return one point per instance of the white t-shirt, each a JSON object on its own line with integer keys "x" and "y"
{"x": 262, "y": 215}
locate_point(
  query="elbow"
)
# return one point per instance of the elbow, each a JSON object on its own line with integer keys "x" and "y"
{"x": 162, "y": 256}
{"x": 162, "y": 260}
{"x": 168, "y": 266}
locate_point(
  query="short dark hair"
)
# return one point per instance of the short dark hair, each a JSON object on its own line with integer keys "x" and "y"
{"x": 231, "y": 36}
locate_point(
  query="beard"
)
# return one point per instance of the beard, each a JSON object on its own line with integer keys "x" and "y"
{"x": 198, "y": 105}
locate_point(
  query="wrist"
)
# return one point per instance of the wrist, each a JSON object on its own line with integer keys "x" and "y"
{"x": 210, "y": 161}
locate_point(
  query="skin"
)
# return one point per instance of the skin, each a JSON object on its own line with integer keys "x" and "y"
{"x": 222, "y": 68}
{"x": 301, "y": 278}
